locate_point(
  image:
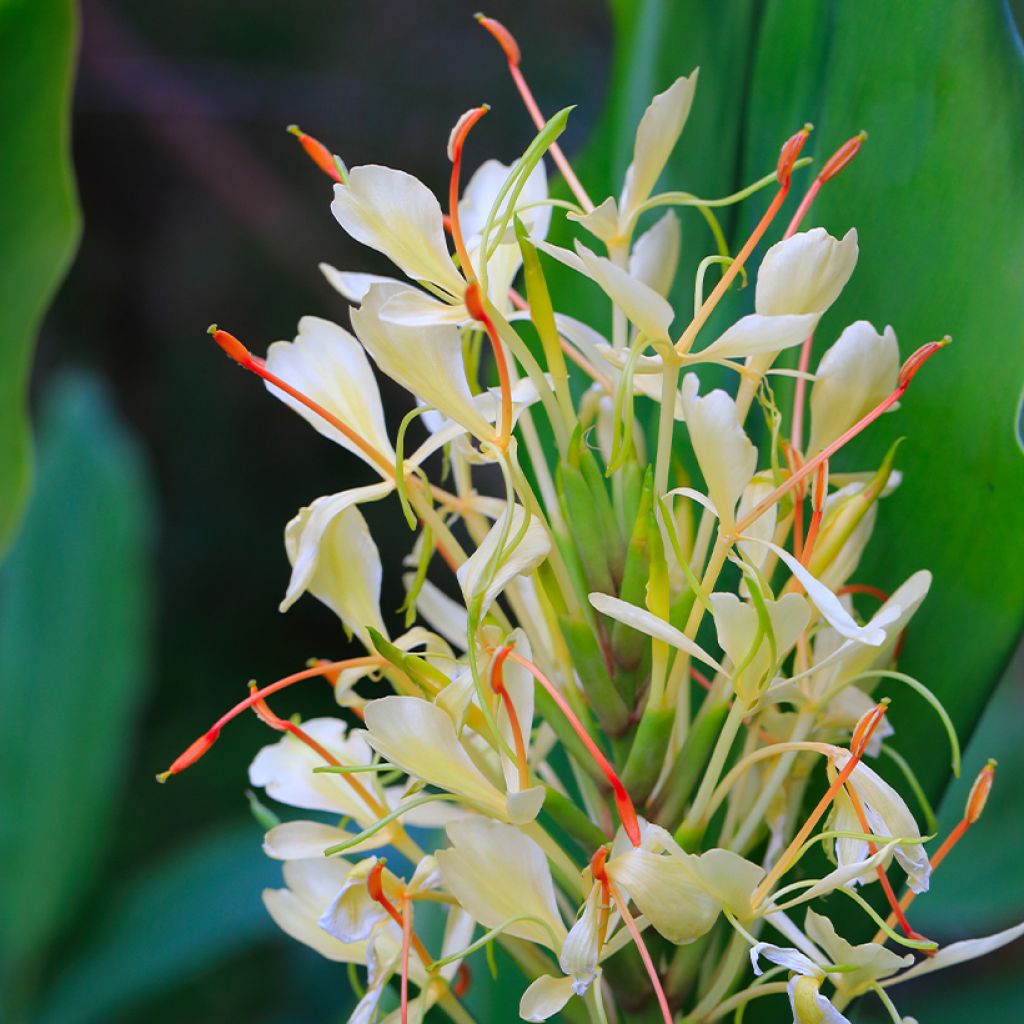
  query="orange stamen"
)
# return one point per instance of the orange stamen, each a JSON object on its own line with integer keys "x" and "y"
{"x": 863, "y": 588}
{"x": 597, "y": 869}
{"x": 477, "y": 309}
{"x": 455, "y": 144}
{"x": 375, "y": 887}
{"x": 463, "y": 979}
{"x": 510, "y": 48}
{"x": 406, "y": 944}
{"x": 906, "y": 375}
{"x": 498, "y": 686}
{"x": 699, "y": 678}
{"x": 318, "y": 153}
{"x": 820, "y": 489}
{"x": 200, "y": 746}
{"x": 241, "y": 355}
{"x": 787, "y": 157}
{"x": 623, "y": 803}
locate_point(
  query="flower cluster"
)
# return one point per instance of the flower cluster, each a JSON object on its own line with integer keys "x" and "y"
{"x": 636, "y": 687}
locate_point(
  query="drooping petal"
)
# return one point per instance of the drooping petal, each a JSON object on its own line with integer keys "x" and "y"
{"x": 497, "y": 873}
{"x": 959, "y": 952}
{"x": 655, "y": 255}
{"x": 854, "y": 375}
{"x": 725, "y": 454}
{"x": 544, "y": 997}
{"x": 351, "y": 284}
{"x": 397, "y": 214}
{"x": 333, "y": 556}
{"x": 805, "y": 273}
{"x": 656, "y": 136}
{"x": 326, "y": 363}
{"x": 784, "y": 956}
{"x": 486, "y": 573}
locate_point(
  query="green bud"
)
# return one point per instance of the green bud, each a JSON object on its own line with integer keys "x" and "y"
{"x": 597, "y": 683}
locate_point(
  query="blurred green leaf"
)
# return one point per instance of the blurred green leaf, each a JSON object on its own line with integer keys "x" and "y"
{"x": 74, "y": 617}
{"x": 185, "y": 915}
{"x": 39, "y": 221}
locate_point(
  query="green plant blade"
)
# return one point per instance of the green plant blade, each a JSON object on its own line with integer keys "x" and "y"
{"x": 39, "y": 221}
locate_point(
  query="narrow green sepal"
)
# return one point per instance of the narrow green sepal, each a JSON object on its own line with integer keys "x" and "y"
{"x": 597, "y": 683}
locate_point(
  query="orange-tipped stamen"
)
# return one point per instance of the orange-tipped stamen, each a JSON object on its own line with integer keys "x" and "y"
{"x": 513, "y": 55}
{"x": 863, "y": 588}
{"x": 861, "y": 736}
{"x": 478, "y": 310}
{"x": 700, "y": 679}
{"x": 623, "y": 803}
{"x": 498, "y": 686}
{"x": 906, "y": 375}
{"x": 322, "y": 668}
{"x": 319, "y": 154}
{"x": 406, "y": 945}
{"x": 645, "y": 956}
{"x": 456, "y": 141}
{"x": 375, "y": 887}
{"x": 241, "y": 355}
{"x": 597, "y": 869}
{"x": 820, "y": 489}
{"x": 787, "y": 157}
{"x": 463, "y": 979}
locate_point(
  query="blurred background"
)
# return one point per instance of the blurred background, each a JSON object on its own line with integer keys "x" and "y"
{"x": 140, "y": 594}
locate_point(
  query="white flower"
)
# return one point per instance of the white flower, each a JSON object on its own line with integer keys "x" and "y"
{"x": 805, "y": 273}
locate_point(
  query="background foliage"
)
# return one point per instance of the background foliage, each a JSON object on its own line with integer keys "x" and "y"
{"x": 161, "y": 493}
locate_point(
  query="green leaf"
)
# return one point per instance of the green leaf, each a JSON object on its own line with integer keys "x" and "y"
{"x": 39, "y": 221}
{"x": 74, "y": 616}
{"x": 176, "y": 919}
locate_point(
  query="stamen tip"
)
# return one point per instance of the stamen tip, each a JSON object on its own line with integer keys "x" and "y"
{"x": 162, "y": 777}
{"x": 294, "y": 129}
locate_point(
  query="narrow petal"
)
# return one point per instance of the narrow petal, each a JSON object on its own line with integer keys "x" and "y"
{"x": 755, "y": 335}
{"x": 302, "y": 840}
{"x": 397, "y": 214}
{"x": 351, "y": 284}
{"x": 960, "y": 952}
{"x": 655, "y": 255}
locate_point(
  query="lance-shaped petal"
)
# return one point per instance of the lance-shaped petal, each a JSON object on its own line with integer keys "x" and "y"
{"x": 497, "y": 874}
{"x": 656, "y": 136}
{"x": 326, "y": 363}
{"x": 755, "y": 335}
{"x": 426, "y": 360}
{"x": 514, "y": 546}
{"x": 352, "y": 284}
{"x": 888, "y": 815}
{"x": 420, "y": 738}
{"x": 300, "y": 840}
{"x": 285, "y": 770}
{"x": 737, "y": 624}
{"x": 334, "y": 557}
{"x": 805, "y": 273}
{"x": 960, "y": 952}
{"x": 854, "y": 375}
{"x": 655, "y": 255}
{"x": 311, "y": 885}
{"x": 725, "y": 454}
{"x": 397, "y": 214}
{"x": 644, "y": 307}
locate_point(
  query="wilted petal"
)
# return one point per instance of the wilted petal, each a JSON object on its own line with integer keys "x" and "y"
{"x": 725, "y": 454}
{"x": 425, "y": 360}
{"x": 397, "y": 214}
{"x": 805, "y": 273}
{"x": 497, "y": 873}
{"x": 334, "y": 557}
{"x": 328, "y": 365}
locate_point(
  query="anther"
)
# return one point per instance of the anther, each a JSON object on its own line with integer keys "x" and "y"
{"x": 979, "y": 792}
{"x": 498, "y": 686}
{"x": 866, "y": 726}
{"x": 232, "y": 347}
{"x": 504, "y": 38}
{"x": 191, "y": 754}
{"x": 319, "y": 154}
{"x": 789, "y": 153}
{"x": 842, "y": 156}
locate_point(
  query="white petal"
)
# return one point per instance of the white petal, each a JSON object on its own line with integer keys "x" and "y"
{"x": 497, "y": 873}
{"x": 333, "y": 556}
{"x": 763, "y": 528}
{"x": 414, "y": 308}
{"x": 959, "y": 952}
{"x": 479, "y": 578}
{"x": 647, "y": 622}
{"x": 294, "y": 920}
{"x": 351, "y": 284}
{"x": 730, "y": 878}
{"x": 725, "y": 454}
{"x": 328, "y": 365}
{"x": 755, "y": 335}
{"x": 302, "y": 840}
{"x": 579, "y": 956}
{"x": 420, "y": 738}
{"x": 809, "y": 1005}
{"x": 784, "y": 956}
{"x": 441, "y": 612}
{"x": 602, "y": 221}
{"x": 656, "y": 137}
{"x": 425, "y": 360}
{"x": 396, "y": 214}
{"x": 872, "y": 960}
{"x": 644, "y": 307}
{"x": 655, "y": 255}
{"x": 545, "y": 997}
{"x": 805, "y": 273}
{"x": 481, "y": 191}
{"x": 351, "y": 914}
{"x": 854, "y": 375}
{"x": 566, "y": 256}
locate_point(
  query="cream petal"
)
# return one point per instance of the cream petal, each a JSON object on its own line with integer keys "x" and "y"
{"x": 333, "y": 556}
{"x": 497, "y": 873}
{"x": 763, "y": 528}
{"x": 420, "y": 738}
{"x": 647, "y": 622}
{"x": 301, "y": 840}
{"x": 809, "y": 1006}
{"x": 414, "y": 308}
{"x": 644, "y": 307}
{"x": 872, "y": 960}
{"x": 441, "y": 612}
{"x": 544, "y": 997}
{"x": 847, "y": 558}
{"x": 425, "y": 360}
{"x": 295, "y": 920}
{"x": 478, "y": 578}
{"x": 656, "y": 136}
{"x": 481, "y": 191}
{"x": 328, "y": 365}
{"x": 756, "y": 335}
{"x": 730, "y": 878}
{"x": 655, "y": 255}
{"x": 725, "y": 454}
{"x": 854, "y": 375}
{"x": 352, "y": 285}
{"x": 959, "y": 952}
{"x": 602, "y": 221}
{"x": 580, "y": 954}
{"x": 805, "y": 273}
{"x": 351, "y": 914}
{"x": 397, "y": 214}
{"x": 565, "y": 256}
